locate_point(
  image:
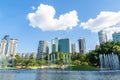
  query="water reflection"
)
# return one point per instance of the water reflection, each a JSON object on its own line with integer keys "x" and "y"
{"x": 8, "y": 76}
{"x": 41, "y": 75}
{"x": 58, "y": 75}
{"x": 52, "y": 75}
{"x": 76, "y": 75}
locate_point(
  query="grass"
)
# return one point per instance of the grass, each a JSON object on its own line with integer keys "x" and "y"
{"x": 83, "y": 68}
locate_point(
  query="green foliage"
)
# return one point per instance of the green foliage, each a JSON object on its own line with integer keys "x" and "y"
{"x": 79, "y": 59}
{"x": 18, "y": 60}
{"x": 92, "y": 58}
{"x": 105, "y": 48}
{"x": 109, "y": 47}
{"x": 76, "y": 62}
{"x": 83, "y": 57}
{"x": 17, "y": 57}
{"x": 25, "y": 62}
{"x": 61, "y": 62}
{"x": 85, "y": 63}
{"x": 75, "y": 56}
{"x": 39, "y": 62}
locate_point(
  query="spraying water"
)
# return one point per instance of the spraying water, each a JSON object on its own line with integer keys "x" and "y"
{"x": 3, "y": 62}
{"x": 109, "y": 61}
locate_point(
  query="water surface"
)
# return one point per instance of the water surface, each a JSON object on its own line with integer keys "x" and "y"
{"x": 23, "y": 74}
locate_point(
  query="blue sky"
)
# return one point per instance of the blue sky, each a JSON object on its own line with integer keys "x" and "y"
{"x": 15, "y": 22}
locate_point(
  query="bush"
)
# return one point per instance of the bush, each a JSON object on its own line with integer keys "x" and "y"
{"x": 85, "y": 63}
{"x": 76, "y": 62}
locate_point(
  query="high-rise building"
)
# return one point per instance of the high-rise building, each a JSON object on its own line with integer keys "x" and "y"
{"x": 7, "y": 38}
{"x": 102, "y": 37}
{"x": 5, "y": 45}
{"x": 64, "y": 45}
{"x": 13, "y": 46}
{"x": 73, "y": 48}
{"x": 116, "y": 37}
{"x": 82, "y": 45}
{"x": 54, "y": 44}
{"x": 43, "y": 49}
{"x": 8, "y": 46}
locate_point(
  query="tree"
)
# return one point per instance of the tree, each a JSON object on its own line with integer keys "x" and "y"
{"x": 92, "y": 58}
{"x": 17, "y": 57}
{"x": 32, "y": 61}
{"x": 39, "y": 62}
{"x": 82, "y": 58}
{"x": 76, "y": 62}
{"x": 116, "y": 49}
{"x": 18, "y": 60}
{"x": 75, "y": 56}
{"x": 61, "y": 58}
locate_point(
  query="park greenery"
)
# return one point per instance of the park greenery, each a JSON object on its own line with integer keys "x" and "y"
{"x": 84, "y": 61}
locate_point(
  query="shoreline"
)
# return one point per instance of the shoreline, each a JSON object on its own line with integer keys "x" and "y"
{"x": 62, "y": 67}
{"x": 42, "y": 67}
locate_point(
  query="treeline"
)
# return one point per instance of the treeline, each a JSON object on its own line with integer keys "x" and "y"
{"x": 73, "y": 59}
{"x": 91, "y": 58}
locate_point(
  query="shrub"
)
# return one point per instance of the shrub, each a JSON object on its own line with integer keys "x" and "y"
{"x": 76, "y": 62}
{"x": 85, "y": 63}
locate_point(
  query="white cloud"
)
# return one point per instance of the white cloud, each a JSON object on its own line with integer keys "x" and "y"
{"x": 113, "y": 29}
{"x": 110, "y": 31}
{"x": 43, "y": 18}
{"x": 33, "y": 8}
{"x": 104, "y": 20}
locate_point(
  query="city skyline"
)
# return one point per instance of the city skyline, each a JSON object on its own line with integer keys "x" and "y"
{"x": 66, "y": 19}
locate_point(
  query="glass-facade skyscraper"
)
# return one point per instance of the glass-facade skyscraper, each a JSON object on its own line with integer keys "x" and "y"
{"x": 43, "y": 49}
{"x": 102, "y": 37}
{"x": 13, "y": 46}
{"x": 116, "y": 37}
{"x": 54, "y": 44}
{"x": 73, "y": 47}
{"x": 64, "y": 45}
{"x": 82, "y": 45}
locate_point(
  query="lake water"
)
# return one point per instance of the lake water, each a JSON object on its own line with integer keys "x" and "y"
{"x": 23, "y": 74}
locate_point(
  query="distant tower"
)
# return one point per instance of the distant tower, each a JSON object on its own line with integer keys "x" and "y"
{"x": 102, "y": 37}
{"x": 54, "y": 43}
{"x": 13, "y": 46}
{"x": 116, "y": 37}
{"x": 43, "y": 49}
{"x": 82, "y": 45}
{"x": 73, "y": 48}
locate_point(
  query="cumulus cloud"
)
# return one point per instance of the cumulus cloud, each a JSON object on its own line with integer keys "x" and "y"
{"x": 110, "y": 31}
{"x": 105, "y": 20}
{"x": 44, "y": 18}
